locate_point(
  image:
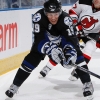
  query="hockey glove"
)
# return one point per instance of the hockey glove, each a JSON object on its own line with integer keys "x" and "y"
{"x": 54, "y": 52}
{"x": 78, "y": 30}
{"x": 98, "y": 44}
{"x": 57, "y": 55}
{"x": 70, "y": 56}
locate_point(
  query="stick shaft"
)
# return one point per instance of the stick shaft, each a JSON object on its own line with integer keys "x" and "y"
{"x": 87, "y": 71}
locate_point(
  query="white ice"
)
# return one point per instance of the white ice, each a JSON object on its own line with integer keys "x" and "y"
{"x": 55, "y": 86}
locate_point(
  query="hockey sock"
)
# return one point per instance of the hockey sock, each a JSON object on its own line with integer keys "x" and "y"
{"x": 85, "y": 77}
{"x": 22, "y": 74}
{"x": 87, "y": 58}
{"x": 51, "y": 64}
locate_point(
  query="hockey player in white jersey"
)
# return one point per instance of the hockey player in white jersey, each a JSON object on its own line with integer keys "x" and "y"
{"x": 86, "y": 18}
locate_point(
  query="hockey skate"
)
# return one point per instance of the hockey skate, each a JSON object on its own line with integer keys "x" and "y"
{"x": 74, "y": 76}
{"x": 88, "y": 90}
{"x": 44, "y": 72}
{"x": 11, "y": 91}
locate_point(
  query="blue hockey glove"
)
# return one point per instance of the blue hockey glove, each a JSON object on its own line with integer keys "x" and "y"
{"x": 70, "y": 56}
{"x": 57, "y": 55}
{"x": 54, "y": 52}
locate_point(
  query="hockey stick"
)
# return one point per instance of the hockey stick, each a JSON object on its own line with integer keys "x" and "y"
{"x": 83, "y": 69}
{"x": 91, "y": 38}
{"x": 88, "y": 38}
{"x": 86, "y": 70}
{"x": 83, "y": 34}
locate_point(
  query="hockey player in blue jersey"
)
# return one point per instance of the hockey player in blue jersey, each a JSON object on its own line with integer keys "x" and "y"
{"x": 52, "y": 23}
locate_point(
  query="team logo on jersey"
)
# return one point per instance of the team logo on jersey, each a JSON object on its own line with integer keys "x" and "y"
{"x": 36, "y": 17}
{"x": 68, "y": 21}
{"x": 88, "y": 22}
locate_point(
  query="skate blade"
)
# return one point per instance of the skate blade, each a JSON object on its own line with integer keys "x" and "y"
{"x": 89, "y": 97}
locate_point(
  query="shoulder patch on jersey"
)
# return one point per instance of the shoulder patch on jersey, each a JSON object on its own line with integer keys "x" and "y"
{"x": 36, "y": 17}
{"x": 68, "y": 21}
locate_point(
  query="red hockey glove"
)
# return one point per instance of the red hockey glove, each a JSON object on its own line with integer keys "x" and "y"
{"x": 98, "y": 44}
{"x": 79, "y": 31}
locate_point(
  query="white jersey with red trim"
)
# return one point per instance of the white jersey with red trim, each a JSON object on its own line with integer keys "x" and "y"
{"x": 83, "y": 14}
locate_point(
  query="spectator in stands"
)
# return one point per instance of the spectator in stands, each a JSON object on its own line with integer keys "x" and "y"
{"x": 9, "y": 3}
{"x": 15, "y": 4}
{"x": 26, "y": 3}
{"x": 12, "y": 3}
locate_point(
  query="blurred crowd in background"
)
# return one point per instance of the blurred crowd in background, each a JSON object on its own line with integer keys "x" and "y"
{"x": 5, "y": 4}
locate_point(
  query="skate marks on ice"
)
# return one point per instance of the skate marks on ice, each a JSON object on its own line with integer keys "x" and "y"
{"x": 9, "y": 98}
{"x": 53, "y": 88}
{"x": 70, "y": 87}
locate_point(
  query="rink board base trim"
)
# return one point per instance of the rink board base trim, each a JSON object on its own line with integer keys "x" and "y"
{"x": 11, "y": 63}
